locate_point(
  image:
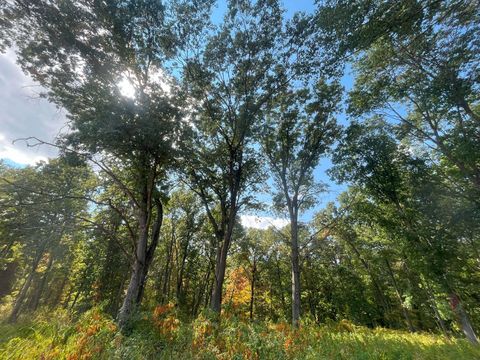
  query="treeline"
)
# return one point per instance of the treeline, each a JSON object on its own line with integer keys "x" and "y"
{"x": 143, "y": 205}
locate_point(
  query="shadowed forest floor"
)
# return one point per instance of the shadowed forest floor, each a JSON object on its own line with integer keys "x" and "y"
{"x": 161, "y": 335}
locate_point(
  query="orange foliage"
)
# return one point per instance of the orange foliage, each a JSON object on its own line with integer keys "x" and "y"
{"x": 165, "y": 320}
{"x": 162, "y": 309}
{"x": 238, "y": 288}
{"x": 87, "y": 346}
{"x": 287, "y": 345}
{"x": 282, "y": 327}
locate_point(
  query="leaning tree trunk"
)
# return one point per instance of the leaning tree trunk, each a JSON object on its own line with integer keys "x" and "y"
{"x": 26, "y": 285}
{"x": 143, "y": 259}
{"x": 399, "y": 294}
{"x": 39, "y": 291}
{"x": 138, "y": 271}
{"x": 57, "y": 299}
{"x": 463, "y": 318}
{"x": 433, "y": 304}
{"x": 381, "y": 301}
{"x": 21, "y": 296}
{"x": 23, "y": 292}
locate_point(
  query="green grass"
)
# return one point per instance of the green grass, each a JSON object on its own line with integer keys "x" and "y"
{"x": 162, "y": 336}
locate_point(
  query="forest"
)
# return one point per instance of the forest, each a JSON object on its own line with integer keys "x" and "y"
{"x": 184, "y": 118}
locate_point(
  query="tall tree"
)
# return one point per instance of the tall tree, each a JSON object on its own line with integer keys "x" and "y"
{"x": 86, "y": 54}
{"x": 300, "y": 129}
{"x": 231, "y": 79}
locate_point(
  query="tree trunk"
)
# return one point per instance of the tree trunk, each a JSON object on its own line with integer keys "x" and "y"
{"x": 179, "y": 289}
{"x": 379, "y": 294}
{"x": 133, "y": 291}
{"x": 221, "y": 265}
{"x": 463, "y": 318}
{"x": 118, "y": 297}
{"x": 79, "y": 289}
{"x": 433, "y": 304}
{"x": 77, "y": 295}
{"x": 252, "y": 286}
{"x": 202, "y": 289}
{"x": 134, "y": 286}
{"x": 411, "y": 328}
{"x": 280, "y": 283}
{"x": 168, "y": 271}
{"x": 41, "y": 287}
{"x": 295, "y": 271}
{"x": 7, "y": 278}
{"x": 151, "y": 248}
{"x": 58, "y": 298}
{"x": 440, "y": 321}
{"x": 21, "y": 297}
{"x": 143, "y": 252}
{"x": 229, "y": 215}
{"x": 26, "y": 285}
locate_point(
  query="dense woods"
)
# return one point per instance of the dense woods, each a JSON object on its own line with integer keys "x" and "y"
{"x": 233, "y": 115}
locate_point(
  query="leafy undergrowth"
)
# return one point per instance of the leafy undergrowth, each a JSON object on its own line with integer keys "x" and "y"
{"x": 162, "y": 336}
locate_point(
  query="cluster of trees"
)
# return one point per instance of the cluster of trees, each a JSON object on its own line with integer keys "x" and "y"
{"x": 143, "y": 204}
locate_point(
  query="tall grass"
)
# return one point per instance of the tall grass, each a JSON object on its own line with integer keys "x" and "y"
{"x": 160, "y": 335}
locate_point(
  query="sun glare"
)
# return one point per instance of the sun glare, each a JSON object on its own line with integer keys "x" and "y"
{"x": 126, "y": 88}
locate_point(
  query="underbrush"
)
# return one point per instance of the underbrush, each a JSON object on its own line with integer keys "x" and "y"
{"x": 160, "y": 335}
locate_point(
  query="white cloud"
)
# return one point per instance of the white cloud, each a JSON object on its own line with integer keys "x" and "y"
{"x": 25, "y": 114}
{"x": 262, "y": 222}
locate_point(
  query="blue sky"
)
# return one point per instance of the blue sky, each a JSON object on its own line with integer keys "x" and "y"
{"x": 291, "y": 6}
{"x": 25, "y": 114}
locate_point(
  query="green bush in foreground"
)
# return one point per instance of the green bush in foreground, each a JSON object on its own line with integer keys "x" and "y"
{"x": 163, "y": 336}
